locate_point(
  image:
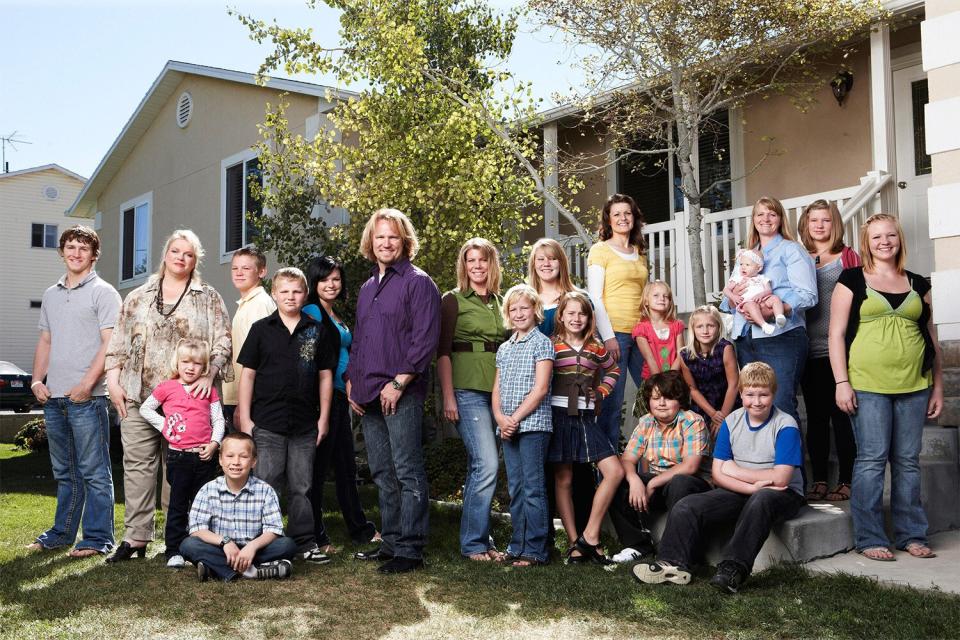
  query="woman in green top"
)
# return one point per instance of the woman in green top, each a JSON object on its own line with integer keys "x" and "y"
{"x": 886, "y": 363}
{"x": 471, "y": 329}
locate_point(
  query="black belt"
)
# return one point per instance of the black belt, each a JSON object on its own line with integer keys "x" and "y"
{"x": 469, "y": 347}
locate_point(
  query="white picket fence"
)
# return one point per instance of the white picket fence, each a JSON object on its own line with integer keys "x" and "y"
{"x": 723, "y": 232}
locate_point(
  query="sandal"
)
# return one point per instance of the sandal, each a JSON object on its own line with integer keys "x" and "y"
{"x": 880, "y": 554}
{"x": 818, "y": 491}
{"x": 569, "y": 558}
{"x": 480, "y": 557}
{"x": 524, "y": 562}
{"x": 841, "y": 493}
{"x": 920, "y": 550}
{"x": 589, "y": 553}
{"x": 495, "y": 555}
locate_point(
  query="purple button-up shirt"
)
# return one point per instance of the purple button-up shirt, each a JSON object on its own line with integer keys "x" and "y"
{"x": 397, "y": 331}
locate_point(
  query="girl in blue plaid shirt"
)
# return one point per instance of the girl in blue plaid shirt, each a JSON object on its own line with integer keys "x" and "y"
{"x": 521, "y": 407}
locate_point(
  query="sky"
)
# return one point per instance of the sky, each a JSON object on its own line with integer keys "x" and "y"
{"x": 72, "y": 72}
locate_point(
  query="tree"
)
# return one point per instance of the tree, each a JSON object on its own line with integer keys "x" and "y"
{"x": 437, "y": 132}
{"x": 660, "y": 68}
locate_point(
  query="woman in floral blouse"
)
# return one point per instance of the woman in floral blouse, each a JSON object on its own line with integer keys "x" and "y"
{"x": 173, "y": 304}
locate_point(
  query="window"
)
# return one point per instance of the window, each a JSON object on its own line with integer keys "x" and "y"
{"x": 920, "y": 96}
{"x": 654, "y": 180}
{"x": 43, "y": 236}
{"x": 135, "y": 238}
{"x": 237, "y": 200}
{"x": 35, "y": 304}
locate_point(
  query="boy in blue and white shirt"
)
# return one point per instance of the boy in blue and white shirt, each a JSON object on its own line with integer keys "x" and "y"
{"x": 756, "y": 467}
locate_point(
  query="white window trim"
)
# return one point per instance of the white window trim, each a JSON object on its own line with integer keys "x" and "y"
{"x": 237, "y": 158}
{"x": 133, "y": 203}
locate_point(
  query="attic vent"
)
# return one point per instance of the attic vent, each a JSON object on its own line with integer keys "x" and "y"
{"x": 184, "y": 109}
{"x": 51, "y": 192}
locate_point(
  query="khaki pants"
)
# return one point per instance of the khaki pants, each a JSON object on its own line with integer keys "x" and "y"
{"x": 144, "y": 455}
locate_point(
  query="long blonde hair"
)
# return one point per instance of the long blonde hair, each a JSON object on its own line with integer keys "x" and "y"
{"x": 693, "y": 346}
{"x": 191, "y": 238}
{"x": 753, "y": 238}
{"x": 867, "y": 257}
{"x": 671, "y": 313}
{"x": 489, "y": 251}
{"x": 552, "y": 249}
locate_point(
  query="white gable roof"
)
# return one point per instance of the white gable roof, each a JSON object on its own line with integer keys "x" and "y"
{"x": 148, "y": 109}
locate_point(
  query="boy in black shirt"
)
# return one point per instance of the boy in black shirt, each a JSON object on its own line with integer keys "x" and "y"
{"x": 286, "y": 386}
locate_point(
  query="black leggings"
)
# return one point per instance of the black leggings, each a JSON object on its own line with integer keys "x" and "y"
{"x": 819, "y": 396}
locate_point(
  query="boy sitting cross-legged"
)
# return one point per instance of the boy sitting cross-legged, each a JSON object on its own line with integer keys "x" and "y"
{"x": 235, "y": 523}
{"x": 756, "y": 467}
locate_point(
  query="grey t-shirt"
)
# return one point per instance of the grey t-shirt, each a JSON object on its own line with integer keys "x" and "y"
{"x": 75, "y": 317}
{"x": 818, "y": 317}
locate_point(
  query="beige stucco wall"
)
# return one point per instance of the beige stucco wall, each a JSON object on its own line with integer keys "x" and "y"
{"x": 181, "y": 167}
{"x": 586, "y": 143}
{"x": 29, "y": 270}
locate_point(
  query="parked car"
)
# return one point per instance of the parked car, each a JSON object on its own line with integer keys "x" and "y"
{"x": 15, "y": 390}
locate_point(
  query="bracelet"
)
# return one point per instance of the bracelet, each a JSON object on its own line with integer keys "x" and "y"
{"x": 839, "y": 382}
{"x": 36, "y": 383}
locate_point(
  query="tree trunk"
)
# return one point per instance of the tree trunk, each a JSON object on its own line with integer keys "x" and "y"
{"x": 686, "y": 133}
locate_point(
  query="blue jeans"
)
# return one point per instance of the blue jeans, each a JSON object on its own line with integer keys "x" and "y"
{"x": 288, "y": 460}
{"x": 476, "y": 428}
{"x": 395, "y": 454}
{"x": 523, "y": 456}
{"x": 888, "y": 427}
{"x": 196, "y": 550}
{"x": 611, "y": 410}
{"x": 79, "y": 436}
{"x": 787, "y": 354}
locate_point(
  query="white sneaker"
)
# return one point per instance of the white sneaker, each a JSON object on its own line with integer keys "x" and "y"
{"x": 176, "y": 562}
{"x": 660, "y": 571}
{"x": 315, "y": 556}
{"x": 781, "y": 320}
{"x": 768, "y": 328}
{"x": 628, "y": 554}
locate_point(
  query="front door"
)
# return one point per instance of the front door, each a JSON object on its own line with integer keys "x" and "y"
{"x": 913, "y": 166}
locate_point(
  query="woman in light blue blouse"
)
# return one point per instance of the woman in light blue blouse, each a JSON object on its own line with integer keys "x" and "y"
{"x": 793, "y": 279}
{"x": 326, "y": 286}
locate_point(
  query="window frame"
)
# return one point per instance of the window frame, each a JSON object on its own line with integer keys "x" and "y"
{"x": 133, "y": 203}
{"x": 241, "y": 158}
{"x": 45, "y": 225}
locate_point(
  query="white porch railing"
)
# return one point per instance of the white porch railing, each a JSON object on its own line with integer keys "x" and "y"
{"x": 723, "y": 232}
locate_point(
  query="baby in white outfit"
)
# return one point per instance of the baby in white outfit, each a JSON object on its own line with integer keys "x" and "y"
{"x": 758, "y": 290}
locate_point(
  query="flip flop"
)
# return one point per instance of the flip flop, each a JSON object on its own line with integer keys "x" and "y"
{"x": 839, "y": 494}
{"x": 818, "y": 491}
{"x": 920, "y": 550}
{"x": 480, "y": 557}
{"x": 879, "y": 554}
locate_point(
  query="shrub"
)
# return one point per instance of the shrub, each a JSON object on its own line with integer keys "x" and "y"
{"x": 446, "y": 462}
{"x": 32, "y": 437}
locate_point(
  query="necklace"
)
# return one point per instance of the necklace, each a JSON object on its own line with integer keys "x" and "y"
{"x": 159, "y": 300}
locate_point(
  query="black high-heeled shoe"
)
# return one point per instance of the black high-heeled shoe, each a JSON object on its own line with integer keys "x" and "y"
{"x": 125, "y": 551}
{"x": 590, "y": 554}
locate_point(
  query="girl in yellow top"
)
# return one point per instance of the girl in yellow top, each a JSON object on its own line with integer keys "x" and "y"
{"x": 616, "y": 275}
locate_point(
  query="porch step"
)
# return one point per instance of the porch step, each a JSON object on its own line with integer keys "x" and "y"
{"x": 823, "y": 529}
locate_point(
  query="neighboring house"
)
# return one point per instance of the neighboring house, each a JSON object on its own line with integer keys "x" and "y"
{"x": 183, "y": 161}
{"x": 867, "y": 154}
{"x": 31, "y": 217}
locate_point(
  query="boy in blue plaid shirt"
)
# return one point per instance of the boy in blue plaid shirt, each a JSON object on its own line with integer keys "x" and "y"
{"x": 235, "y": 525}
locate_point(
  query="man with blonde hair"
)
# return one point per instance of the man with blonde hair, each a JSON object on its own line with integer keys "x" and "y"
{"x": 398, "y": 327}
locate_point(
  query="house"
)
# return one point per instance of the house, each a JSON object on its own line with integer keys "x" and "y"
{"x": 184, "y": 160}
{"x": 31, "y": 216}
{"x": 868, "y": 154}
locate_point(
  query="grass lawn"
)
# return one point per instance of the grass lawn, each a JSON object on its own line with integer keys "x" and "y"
{"x": 48, "y": 595}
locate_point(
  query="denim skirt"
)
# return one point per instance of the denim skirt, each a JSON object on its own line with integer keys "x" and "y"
{"x": 578, "y": 438}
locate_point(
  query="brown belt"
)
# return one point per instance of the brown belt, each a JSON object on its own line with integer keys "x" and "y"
{"x": 468, "y": 347}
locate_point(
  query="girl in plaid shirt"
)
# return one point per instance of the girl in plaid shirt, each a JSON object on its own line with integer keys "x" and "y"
{"x": 583, "y": 370}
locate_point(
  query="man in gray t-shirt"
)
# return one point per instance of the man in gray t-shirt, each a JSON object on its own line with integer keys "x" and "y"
{"x": 77, "y": 316}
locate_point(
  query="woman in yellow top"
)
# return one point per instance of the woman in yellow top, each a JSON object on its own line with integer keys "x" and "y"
{"x": 886, "y": 362}
{"x": 616, "y": 275}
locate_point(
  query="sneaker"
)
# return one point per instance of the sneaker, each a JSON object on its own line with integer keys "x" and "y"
{"x": 176, "y": 562}
{"x": 781, "y": 320}
{"x": 729, "y": 577}
{"x": 768, "y": 329}
{"x": 203, "y": 573}
{"x": 628, "y": 554}
{"x": 315, "y": 556}
{"x": 659, "y": 571}
{"x": 277, "y": 570}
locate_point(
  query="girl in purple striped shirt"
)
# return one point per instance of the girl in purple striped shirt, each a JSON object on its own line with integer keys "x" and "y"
{"x": 583, "y": 371}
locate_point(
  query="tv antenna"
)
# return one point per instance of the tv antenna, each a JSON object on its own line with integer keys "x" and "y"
{"x": 12, "y": 140}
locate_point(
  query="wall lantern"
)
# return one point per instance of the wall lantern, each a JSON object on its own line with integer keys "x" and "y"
{"x": 841, "y": 85}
